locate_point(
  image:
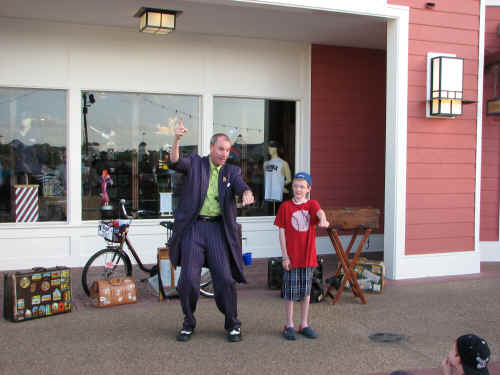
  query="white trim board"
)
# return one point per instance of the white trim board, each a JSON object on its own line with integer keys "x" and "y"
{"x": 490, "y": 251}
{"x": 434, "y": 265}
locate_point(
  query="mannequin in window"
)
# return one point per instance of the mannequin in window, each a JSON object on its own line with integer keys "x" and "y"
{"x": 277, "y": 174}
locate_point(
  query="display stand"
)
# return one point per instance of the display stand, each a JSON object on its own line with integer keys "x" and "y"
{"x": 356, "y": 221}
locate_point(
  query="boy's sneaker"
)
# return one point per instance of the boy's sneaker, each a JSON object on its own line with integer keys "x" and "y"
{"x": 289, "y": 333}
{"x": 308, "y": 332}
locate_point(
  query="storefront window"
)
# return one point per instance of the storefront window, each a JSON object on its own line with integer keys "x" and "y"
{"x": 263, "y": 136}
{"x": 32, "y": 155}
{"x": 127, "y": 139}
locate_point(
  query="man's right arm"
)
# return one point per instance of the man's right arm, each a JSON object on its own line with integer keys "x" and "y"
{"x": 174, "y": 153}
{"x": 180, "y": 130}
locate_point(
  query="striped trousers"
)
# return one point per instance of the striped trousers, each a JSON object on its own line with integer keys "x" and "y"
{"x": 205, "y": 243}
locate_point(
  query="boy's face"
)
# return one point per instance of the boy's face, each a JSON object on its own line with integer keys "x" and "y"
{"x": 300, "y": 189}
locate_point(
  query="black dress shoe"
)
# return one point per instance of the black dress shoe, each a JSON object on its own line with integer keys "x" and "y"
{"x": 234, "y": 335}
{"x": 184, "y": 335}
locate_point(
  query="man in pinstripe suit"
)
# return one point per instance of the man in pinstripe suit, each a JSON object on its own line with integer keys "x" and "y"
{"x": 205, "y": 230}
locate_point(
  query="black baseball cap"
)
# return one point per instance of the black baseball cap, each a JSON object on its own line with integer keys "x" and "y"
{"x": 474, "y": 354}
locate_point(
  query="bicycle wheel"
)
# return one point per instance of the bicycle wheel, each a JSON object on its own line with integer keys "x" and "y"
{"x": 206, "y": 285}
{"x": 105, "y": 264}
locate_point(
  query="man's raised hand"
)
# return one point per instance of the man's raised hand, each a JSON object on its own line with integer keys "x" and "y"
{"x": 180, "y": 130}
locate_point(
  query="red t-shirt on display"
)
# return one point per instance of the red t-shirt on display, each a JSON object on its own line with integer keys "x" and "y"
{"x": 299, "y": 222}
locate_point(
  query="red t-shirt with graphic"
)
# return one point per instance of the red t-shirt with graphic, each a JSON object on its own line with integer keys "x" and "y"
{"x": 299, "y": 222}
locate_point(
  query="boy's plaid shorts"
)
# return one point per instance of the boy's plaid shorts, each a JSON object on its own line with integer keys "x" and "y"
{"x": 297, "y": 283}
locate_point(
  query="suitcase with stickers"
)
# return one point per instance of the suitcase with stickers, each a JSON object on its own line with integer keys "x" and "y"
{"x": 36, "y": 294}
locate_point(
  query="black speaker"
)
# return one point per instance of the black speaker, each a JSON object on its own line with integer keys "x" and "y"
{"x": 274, "y": 273}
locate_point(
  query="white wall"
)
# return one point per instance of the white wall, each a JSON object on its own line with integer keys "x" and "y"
{"x": 75, "y": 58}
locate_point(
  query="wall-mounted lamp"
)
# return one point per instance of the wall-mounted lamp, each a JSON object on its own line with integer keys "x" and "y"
{"x": 445, "y": 85}
{"x": 157, "y": 21}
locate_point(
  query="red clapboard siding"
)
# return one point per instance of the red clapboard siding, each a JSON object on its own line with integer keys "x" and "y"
{"x": 490, "y": 181}
{"x": 460, "y": 126}
{"x": 443, "y": 35}
{"x": 440, "y": 185}
{"x": 490, "y": 184}
{"x": 441, "y": 153}
{"x": 449, "y": 6}
{"x": 441, "y": 140}
{"x": 348, "y": 146}
{"x": 439, "y": 216}
{"x": 441, "y": 170}
{"x": 421, "y": 155}
{"x": 439, "y": 245}
{"x": 450, "y": 19}
{"x": 433, "y": 230}
{"x": 435, "y": 201}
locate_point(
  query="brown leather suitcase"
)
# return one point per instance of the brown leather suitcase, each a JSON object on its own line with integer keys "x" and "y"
{"x": 37, "y": 293}
{"x": 112, "y": 292}
{"x": 353, "y": 218}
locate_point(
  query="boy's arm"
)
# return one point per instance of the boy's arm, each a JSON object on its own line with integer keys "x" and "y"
{"x": 286, "y": 260}
{"x": 323, "y": 223}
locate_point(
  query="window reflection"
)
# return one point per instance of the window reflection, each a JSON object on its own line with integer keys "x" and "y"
{"x": 130, "y": 135}
{"x": 32, "y": 155}
{"x": 263, "y": 135}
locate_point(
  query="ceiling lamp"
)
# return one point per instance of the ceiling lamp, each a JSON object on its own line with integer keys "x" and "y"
{"x": 156, "y": 21}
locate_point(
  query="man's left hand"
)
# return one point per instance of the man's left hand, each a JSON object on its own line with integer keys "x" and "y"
{"x": 247, "y": 198}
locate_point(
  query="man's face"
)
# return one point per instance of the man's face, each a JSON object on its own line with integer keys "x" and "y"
{"x": 220, "y": 151}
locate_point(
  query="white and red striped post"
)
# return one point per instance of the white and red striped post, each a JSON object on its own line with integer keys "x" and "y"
{"x": 26, "y": 203}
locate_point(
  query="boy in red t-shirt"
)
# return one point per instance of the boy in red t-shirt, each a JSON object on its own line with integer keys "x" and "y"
{"x": 297, "y": 220}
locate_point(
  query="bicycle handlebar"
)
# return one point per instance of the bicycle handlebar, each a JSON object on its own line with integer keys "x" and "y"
{"x": 124, "y": 211}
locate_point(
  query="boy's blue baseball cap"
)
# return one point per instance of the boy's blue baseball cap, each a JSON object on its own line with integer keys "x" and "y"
{"x": 305, "y": 176}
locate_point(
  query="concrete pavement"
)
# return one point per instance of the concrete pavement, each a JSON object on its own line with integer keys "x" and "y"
{"x": 140, "y": 338}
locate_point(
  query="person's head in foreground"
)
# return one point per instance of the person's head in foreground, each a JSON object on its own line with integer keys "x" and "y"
{"x": 469, "y": 356}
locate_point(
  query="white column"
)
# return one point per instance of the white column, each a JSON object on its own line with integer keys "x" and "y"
{"x": 396, "y": 143}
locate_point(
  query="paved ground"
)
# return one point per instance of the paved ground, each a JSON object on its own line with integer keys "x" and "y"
{"x": 140, "y": 338}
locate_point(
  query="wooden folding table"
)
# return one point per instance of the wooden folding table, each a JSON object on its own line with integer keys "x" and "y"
{"x": 356, "y": 221}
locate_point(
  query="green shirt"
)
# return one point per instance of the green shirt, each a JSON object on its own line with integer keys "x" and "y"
{"x": 211, "y": 205}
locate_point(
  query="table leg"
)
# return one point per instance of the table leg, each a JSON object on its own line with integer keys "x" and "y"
{"x": 343, "y": 255}
{"x": 348, "y": 250}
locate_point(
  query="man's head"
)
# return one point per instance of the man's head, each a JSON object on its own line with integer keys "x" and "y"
{"x": 474, "y": 354}
{"x": 220, "y": 146}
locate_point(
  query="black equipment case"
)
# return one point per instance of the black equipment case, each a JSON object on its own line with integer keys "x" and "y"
{"x": 275, "y": 277}
{"x": 37, "y": 293}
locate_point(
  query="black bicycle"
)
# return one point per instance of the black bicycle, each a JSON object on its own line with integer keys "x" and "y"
{"x": 113, "y": 260}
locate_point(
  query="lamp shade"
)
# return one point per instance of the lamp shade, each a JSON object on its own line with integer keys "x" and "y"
{"x": 156, "y": 21}
{"x": 446, "y": 86}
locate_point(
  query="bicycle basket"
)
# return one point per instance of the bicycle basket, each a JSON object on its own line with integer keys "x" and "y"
{"x": 110, "y": 231}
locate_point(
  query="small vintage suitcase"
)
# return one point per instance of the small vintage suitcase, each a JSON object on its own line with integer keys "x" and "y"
{"x": 370, "y": 275}
{"x": 112, "y": 292}
{"x": 37, "y": 293}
